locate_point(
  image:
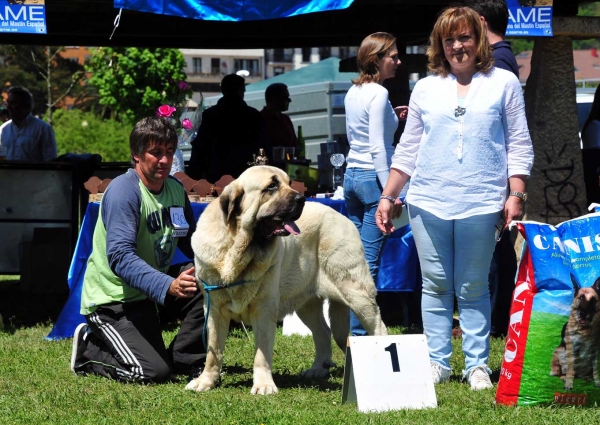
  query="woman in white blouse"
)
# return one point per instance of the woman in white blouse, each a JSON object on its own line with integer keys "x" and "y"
{"x": 370, "y": 125}
{"x": 466, "y": 139}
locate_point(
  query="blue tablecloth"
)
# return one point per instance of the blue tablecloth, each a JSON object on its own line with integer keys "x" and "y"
{"x": 399, "y": 269}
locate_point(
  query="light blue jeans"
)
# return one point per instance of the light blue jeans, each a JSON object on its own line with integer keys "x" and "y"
{"x": 361, "y": 192}
{"x": 455, "y": 259}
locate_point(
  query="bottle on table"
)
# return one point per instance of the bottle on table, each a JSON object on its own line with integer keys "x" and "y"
{"x": 301, "y": 144}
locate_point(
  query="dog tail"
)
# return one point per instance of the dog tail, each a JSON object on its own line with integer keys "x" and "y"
{"x": 339, "y": 318}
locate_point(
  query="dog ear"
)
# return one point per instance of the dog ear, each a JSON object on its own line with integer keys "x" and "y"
{"x": 230, "y": 200}
{"x": 576, "y": 285}
{"x": 596, "y": 286}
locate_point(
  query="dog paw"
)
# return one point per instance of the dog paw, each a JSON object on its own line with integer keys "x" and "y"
{"x": 597, "y": 383}
{"x": 328, "y": 364}
{"x": 568, "y": 385}
{"x": 199, "y": 385}
{"x": 264, "y": 389}
{"x": 314, "y": 373}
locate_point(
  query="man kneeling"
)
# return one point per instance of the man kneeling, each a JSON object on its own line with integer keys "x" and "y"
{"x": 126, "y": 277}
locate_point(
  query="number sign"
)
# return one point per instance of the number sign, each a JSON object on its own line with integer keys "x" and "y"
{"x": 388, "y": 373}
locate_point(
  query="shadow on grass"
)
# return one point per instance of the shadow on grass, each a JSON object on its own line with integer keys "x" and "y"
{"x": 21, "y": 309}
{"x": 287, "y": 381}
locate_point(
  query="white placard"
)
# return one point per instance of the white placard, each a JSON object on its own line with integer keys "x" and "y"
{"x": 292, "y": 325}
{"x": 180, "y": 224}
{"x": 388, "y": 373}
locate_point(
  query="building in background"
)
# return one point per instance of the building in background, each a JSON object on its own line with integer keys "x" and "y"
{"x": 205, "y": 68}
{"x": 587, "y": 66}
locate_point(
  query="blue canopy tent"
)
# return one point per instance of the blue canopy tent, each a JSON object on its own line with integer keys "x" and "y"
{"x": 219, "y": 10}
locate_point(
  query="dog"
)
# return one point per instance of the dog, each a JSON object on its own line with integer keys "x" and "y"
{"x": 274, "y": 254}
{"x": 577, "y": 354}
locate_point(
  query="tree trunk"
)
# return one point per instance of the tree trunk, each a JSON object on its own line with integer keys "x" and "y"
{"x": 49, "y": 85}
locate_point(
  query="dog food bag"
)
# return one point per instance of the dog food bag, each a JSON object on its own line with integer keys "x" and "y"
{"x": 553, "y": 341}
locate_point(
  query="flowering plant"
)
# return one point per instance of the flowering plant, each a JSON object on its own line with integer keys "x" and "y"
{"x": 186, "y": 122}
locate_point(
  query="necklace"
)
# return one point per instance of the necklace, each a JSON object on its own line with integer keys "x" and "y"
{"x": 459, "y": 112}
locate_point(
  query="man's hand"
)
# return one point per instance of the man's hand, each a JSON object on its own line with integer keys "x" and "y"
{"x": 401, "y": 112}
{"x": 185, "y": 284}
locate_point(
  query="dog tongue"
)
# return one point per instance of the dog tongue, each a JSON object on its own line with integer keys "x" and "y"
{"x": 291, "y": 227}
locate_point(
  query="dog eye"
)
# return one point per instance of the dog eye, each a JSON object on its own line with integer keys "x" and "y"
{"x": 273, "y": 186}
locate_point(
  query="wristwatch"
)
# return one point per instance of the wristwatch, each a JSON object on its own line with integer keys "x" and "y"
{"x": 521, "y": 195}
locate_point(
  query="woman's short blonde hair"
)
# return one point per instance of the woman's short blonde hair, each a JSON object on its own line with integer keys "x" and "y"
{"x": 458, "y": 19}
{"x": 373, "y": 47}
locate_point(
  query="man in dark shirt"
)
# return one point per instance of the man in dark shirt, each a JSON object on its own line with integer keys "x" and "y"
{"x": 278, "y": 126}
{"x": 230, "y": 132}
{"x": 494, "y": 15}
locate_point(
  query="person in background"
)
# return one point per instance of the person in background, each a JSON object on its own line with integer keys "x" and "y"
{"x": 25, "y": 137}
{"x": 3, "y": 114}
{"x": 370, "y": 125}
{"x": 398, "y": 88}
{"x": 590, "y": 145}
{"x": 494, "y": 16}
{"x": 590, "y": 132}
{"x": 503, "y": 268}
{"x": 126, "y": 276}
{"x": 466, "y": 135}
{"x": 230, "y": 133}
{"x": 278, "y": 126}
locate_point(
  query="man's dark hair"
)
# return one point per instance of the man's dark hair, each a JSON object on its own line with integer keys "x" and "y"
{"x": 495, "y": 13}
{"x": 232, "y": 84}
{"x": 23, "y": 93}
{"x": 151, "y": 129}
{"x": 276, "y": 90}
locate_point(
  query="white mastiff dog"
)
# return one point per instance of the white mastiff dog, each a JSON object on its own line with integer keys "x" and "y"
{"x": 239, "y": 244}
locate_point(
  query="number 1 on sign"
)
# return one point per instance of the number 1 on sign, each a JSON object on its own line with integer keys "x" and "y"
{"x": 394, "y": 356}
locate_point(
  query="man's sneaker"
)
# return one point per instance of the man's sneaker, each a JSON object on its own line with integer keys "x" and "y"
{"x": 479, "y": 378}
{"x": 439, "y": 373}
{"x": 78, "y": 346}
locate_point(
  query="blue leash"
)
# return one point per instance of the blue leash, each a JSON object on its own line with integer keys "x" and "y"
{"x": 209, "y": 289}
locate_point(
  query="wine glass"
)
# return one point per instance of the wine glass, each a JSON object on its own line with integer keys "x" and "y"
{"x": 337, "y": 160}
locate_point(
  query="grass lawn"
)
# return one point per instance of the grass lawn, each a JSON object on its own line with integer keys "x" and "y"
{"x": 37, "y": 387}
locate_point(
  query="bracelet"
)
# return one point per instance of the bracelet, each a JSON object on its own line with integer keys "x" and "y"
{"x": 389, "y": 198}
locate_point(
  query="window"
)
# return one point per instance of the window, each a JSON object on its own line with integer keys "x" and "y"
{"x": 344, "y": 52}
{"x": 324, "y": 52}
{"x": 206, "y": 87}
{"x": 306, "y": 54}
{"x": 197, "y": 65}
{"x": 215, "y": 66}
{"x": 281, "y": 55}
{"x": 250, "y": 65}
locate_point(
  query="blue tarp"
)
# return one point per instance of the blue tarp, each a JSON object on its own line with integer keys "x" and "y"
{"x": 232, "y": 10}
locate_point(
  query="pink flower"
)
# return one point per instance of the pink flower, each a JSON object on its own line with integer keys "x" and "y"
{"x": 182, "y": 85}
{"x": 187, "y": 124}
{"x": 165, "y": 111}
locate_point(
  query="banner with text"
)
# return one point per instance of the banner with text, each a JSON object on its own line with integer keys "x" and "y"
{"x": 530, "y": 18}
{"x": 23, "y": 16}
{"x": 232, "y": 10}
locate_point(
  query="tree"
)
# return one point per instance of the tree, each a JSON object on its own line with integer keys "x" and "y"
{"x": 44, "y": 72}
{"x": 132, "y": 82}
{"x": 587, "y": 10}
{"x": 85, "y": 132}
{"x": 520, "y": 45}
